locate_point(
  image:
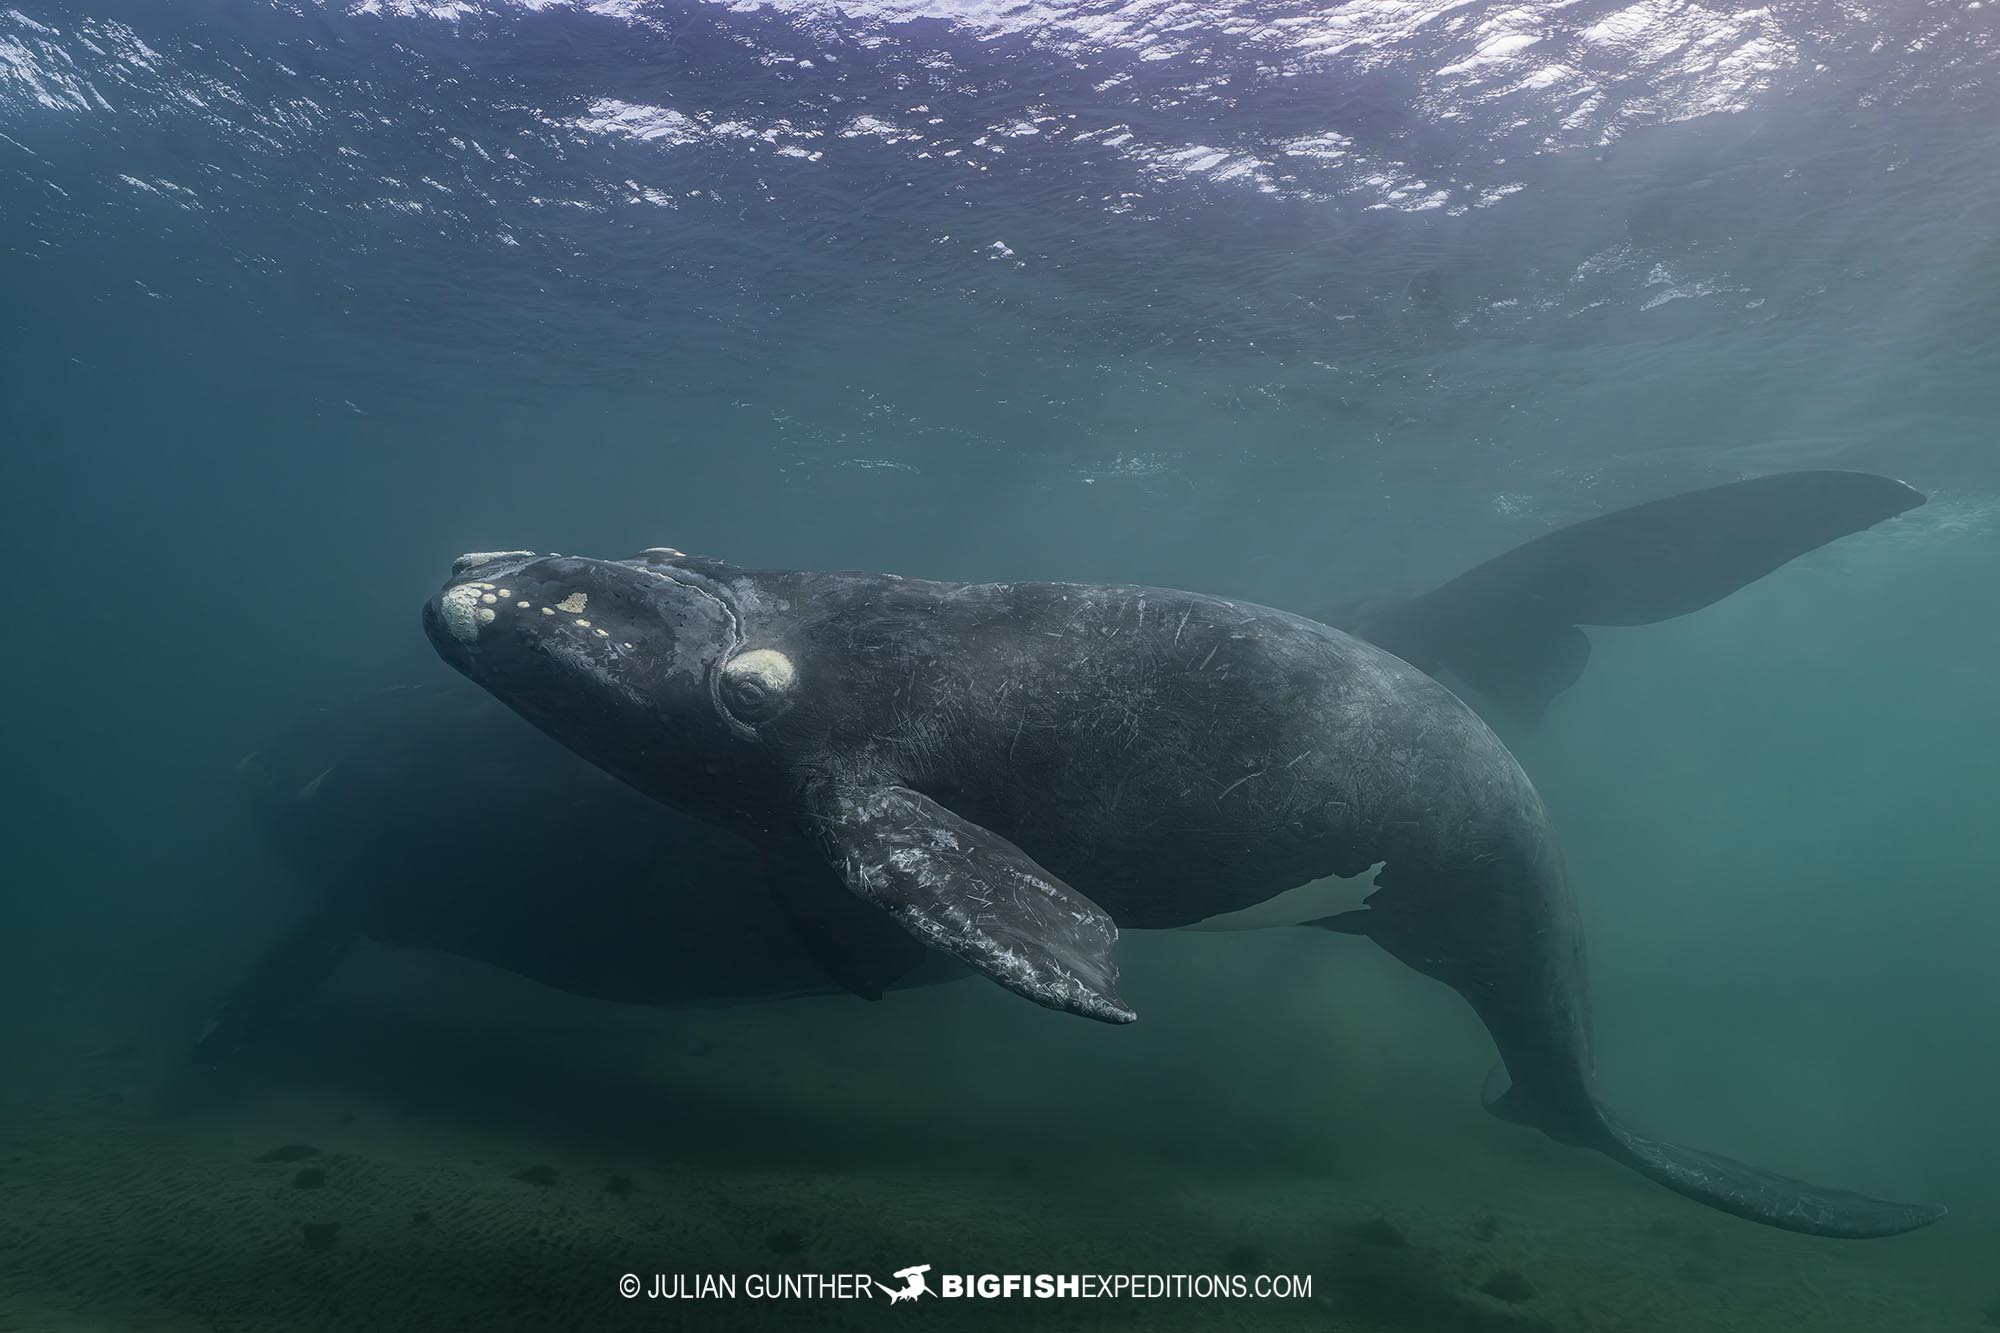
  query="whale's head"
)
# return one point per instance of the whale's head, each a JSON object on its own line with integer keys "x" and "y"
{"x": 623, "y": 661}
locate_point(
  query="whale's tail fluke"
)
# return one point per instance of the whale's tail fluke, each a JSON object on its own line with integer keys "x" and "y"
{"x": 1723, "y": 1183}
{"x": 1763, "y": 1196}
{"x": 1509, "y": 627}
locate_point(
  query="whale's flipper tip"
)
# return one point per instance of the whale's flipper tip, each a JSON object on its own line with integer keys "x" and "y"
{"x": 968, "y": 893}
{"x": 1757, "y": 1195}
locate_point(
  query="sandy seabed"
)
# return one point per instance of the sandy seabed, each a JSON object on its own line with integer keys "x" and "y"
{"x": 429, "y": 1145}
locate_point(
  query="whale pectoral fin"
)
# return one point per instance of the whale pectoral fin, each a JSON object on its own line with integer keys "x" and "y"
{"x": 857, "y": 947}
{"x": 968, "y": 892}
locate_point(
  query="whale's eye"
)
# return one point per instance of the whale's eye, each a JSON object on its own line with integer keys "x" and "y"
{"x": 757, "y": 685}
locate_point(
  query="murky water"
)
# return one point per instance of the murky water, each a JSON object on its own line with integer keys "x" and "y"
{"x": 1282, "y": 302}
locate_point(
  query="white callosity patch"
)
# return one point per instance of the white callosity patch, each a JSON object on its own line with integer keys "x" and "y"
{"x": 474, "y": 559}
{"x": 1308, "y": 902}
{"x": 756, "y": 686}
{"x": 767, "y": 667}
{"x": 457, "y": 609}
{"x": 469, "y": 605}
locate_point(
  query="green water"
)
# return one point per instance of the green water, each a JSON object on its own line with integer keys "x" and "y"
{"x": 1276, "y": 301}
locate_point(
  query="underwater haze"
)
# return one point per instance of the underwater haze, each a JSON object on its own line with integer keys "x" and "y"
{"x": 1280, "y": 300}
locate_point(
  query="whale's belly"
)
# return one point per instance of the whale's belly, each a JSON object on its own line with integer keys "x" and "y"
{"x": 1308, "y": 902}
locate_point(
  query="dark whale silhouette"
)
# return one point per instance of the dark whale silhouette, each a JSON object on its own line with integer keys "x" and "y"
{"x": 1005, "y": 773}
{"x": 431, "y": 817}
{"x": 1510, "y": 627}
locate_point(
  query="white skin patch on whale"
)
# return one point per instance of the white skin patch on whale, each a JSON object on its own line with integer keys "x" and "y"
{"x": 474, "y": 559}
{"x": 456, "y": 608}
{"x": 767, "y": 666}
{"x": 1308, "y": 902}
{"x": 470, "y": 605}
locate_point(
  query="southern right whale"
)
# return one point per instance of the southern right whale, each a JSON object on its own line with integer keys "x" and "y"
{"x": 1006, "y": 773}
{"x": 352, "y": 795}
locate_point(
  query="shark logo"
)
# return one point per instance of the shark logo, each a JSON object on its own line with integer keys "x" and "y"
{"x": 915, "y": 1284}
